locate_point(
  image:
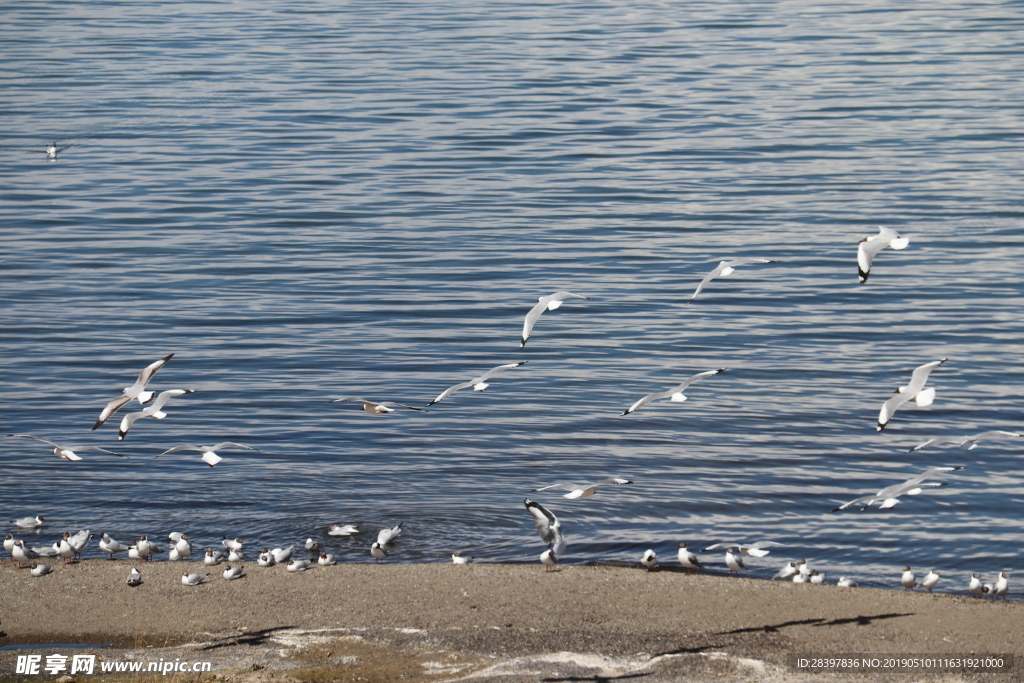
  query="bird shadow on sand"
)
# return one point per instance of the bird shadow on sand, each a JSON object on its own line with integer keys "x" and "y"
{"x": 253, "y": 639}
{"x": 598, "y": 679}
{"x": 772, "y": 628}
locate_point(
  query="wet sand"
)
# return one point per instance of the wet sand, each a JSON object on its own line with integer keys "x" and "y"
{"x": 661, "y": 625}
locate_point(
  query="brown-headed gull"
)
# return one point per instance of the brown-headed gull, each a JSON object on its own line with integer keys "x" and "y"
{"x": 733, "y": 562}
{"x": 232, "y": 573}
{"x": 675, "y": 393}
{"x": 40, "y": 569}
{"x": 914, "y": 391}
{"x": 377, "y": 550}
{"x": 193, "y": 579}
{"x": 30, "y": 522}
{"x": 975, "y": 586}
{"x": 869, "y": 246}
{"x": 155, "y": 410}
{"x": 325, "y": 560}
{"x": 549, "y": 560}
{"x": 65, "y": 452}
{"x": 724, "y": 269}
{"x": 136, "y": 391}
{"x": 544, "y": 303}
{"x": 379, "y": 408}
{"x": 929, "y": 580}
{"x": 965, "y": 442}
{"x": 688, "y": 559}
{"x": 582, "y": 490}
{"x": 479, "y": 384}
{"x": 209, "y": 456}
{"x": 548, "y": 527}
{"x": 889, "y": 496}
{"x": 1002, "y": 585}
{"x": 459, "y": 558}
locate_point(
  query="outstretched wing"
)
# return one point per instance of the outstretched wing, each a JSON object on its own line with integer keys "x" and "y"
{"x": 37, "y": 438}
{"x": 110, "y": 409}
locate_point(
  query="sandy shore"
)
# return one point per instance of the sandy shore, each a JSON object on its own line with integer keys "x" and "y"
{"x": 446, "y": 622}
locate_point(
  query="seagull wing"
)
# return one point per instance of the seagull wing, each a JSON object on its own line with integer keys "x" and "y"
{"x": 937, "y": 439}
{"x": 97, "y": 448}
{"x": 708, "y": 278}
{"x": 645, "y": 400}
{"x": 37, "y": 438}
{"x": 890, "y": 407}
{"x": 385, "y": 536}
{"x": 561, "y": 486}
{"x": 546, "y": 522}
{"x": 531, "y": 318}
{"x": 613, "y": 480}
{"x": 111, "y": 408}
{"x": 229, "y": 444}
{"x": 401, "y": 405}
{"x": 451, "y": 390}
{"x": 147, "y": 372}
{"x": 177, "y": 449}
{"x": 920, "y": 377}
{"x": 695, "y": 378}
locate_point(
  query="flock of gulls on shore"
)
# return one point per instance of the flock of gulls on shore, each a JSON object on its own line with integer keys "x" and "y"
{"x": 548, "y": 525}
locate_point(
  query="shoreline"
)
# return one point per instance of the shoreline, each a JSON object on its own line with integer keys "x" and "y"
{"x": 486, "y": 612}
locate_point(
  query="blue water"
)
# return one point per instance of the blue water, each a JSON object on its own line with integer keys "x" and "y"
{"x": 309, "y": 202}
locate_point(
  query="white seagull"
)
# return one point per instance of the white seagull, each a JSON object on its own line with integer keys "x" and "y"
{"x": 109, "y": 545}
{"x": 480, "y": 383}
{"x": 136, "y": 391}
{"x": 548, "y": 559}
{"x": 193, "y": 579}
{"x": 134, "y": 577}
{"x": 377, "y": 550}
{"x": 725, "y": 268}
{"x": 908, "y": 579}
{"x": 342, "y": 530}
{"x": 975, "y": 586}
{"x": 210, "y": 456}
{"x": 325, "y": 560}
{"x": 688, "y": 559}
{"x": 1002, "y": 585}
{"x": 846, "y": 583}
{"x": 232, "y": 573}
{"x": 544, "y": 303}
{"x": 675, "y": 393}
{"x": 30, "y": 522}
{"x": 22, "y": 554}
{"x": 787, "y": 572}
{"x": 65, "y": 452}
{"x": 48, "y": 551}
{"x": 211, "y": 558}
{"x": 869, "y": 246}
{"x": 372, "y": 408}
{"x": 889, "y": 496}
{"x": 965, "y": 442}
{"x": 51, "y": 150}
{"x": 734, "y": 563}
{"x": 459, "y": 558}
{"x": 650, "y": 560}
{"x": 283, "y": 555}
{"x": 929, "y": 580}
{"x": 817, "y": 578}
{"x": 581, "y": 490}
{"x": 914, "y": 391}
{"x": 236, "y": 556}
{"x": 40, "y": 569}
{"x": 298, "y": 565}
{"x": 548, "y": 527}
{"x": 385, "y": 536}
{"x": 266, "y": 558}
{"x": 229, "y": 544}
{"x": 154, "y": 410}
{"x": 751, "y": 549}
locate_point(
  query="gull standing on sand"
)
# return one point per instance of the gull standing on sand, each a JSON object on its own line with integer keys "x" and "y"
{"x": 109, "y": 545}
{"x": 342, "y": 530}
{"x": 725, "y": 268}
{"x": 154, "y": 411}
{"x": 548, "y": 527}
{"x": 548, "y": 559}
{"x": 183, "y": 546}
{"x": 965, "y": 442}
{"x": 193, "y": 579}
{"x": 30, "y": 522}
{"x": 869, "y": 246}
{"x": 377, "y": 550}
{"x": 889, "y": 496}
{"x": 914, "y": 391}
{"x": 688, "y": 559}
{"x": 1002, "y": 585}
{"x": 8, "y": 543}
{"x": 929, "y": 580}
{"x": 22, "y": 554}
{"x": 136, "y": 391}
{"x": 236, "y": 556}
{"x": 544, "y": 303}
{"x": 675, "y": 393}
{"x": 232, "y": 573}
{"x": 734, "y": 563}
{"x": 479, "y": 384}
{"x": 751, "y": 549}
{"x": 459, "y": 558}
{"x": 381, "y": 408}
{"x": 581, "y": 490}
{"x": 65, "y": 452}
{"x": 650, "y": 560}
{"x": 210, "y": 456}
{"x": 908, "y": 579}
{"x": 145, "y": 547}
{"x": 79, "y": 541}
{"x": 975, "y": 586}
{"x": 134, "y": 577}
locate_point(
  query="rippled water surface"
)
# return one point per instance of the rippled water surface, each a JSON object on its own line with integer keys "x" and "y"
{"x": 365, "y": 199}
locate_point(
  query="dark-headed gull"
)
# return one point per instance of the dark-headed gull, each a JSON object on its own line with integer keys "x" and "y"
{"x": 30, "y": 522}
{"x": 134, "y": 577}
{"x": 155, "y": 410}
{"x": 232, "y": 573}
{"x": 581, "y": 490}
{"x": 549, "y": 560}
{"x": 325, "y": 560}
{"x": 929, "y": 580}
{"x": 136, "y": 391}
{"x": 675, "y": 393}
{"x": 650, "y": 560}
{"x": 210, "y": 456}
{"x": 869, "y": 246}
{"x": 480, "y": 383}
{"x": 733, "y": 562}
{"x": 548, "y": 527}
{"x": 193, "y": 579}
{"x": 377, "y": 550}
{"x": 544, "y": 303}
{"x": 725, "y": 268}
{"x": 688, "y": 559}
{"x": 65, "y": 452}
{"x": 1002, "y": 585}
{"x": 908, "y": 579}
{"x": 965, "y": 442}
{"x": 40, "y": 569}
{"x": 889, "y": 496}
{"x": 975, "y": 586}
{"x": 381, "y": 408}
{"x": 914, "y": 391}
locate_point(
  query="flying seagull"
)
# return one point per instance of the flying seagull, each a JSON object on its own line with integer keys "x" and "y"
{"x": 581, "y": 490}
{"x": 675, "y": 393}
{"x": 725, "y": 268}
{"x": 65, "y": 452}
{"x": 376, "y": 408}
{"x": 965, "y": 442}
{"x": 544, "y": 303}
{"x": 914, "y": 391}
{"x": 889, "y": 496}
{"x": 136, "y": 390}
{"x": 155, "y": 410}
{"x": 751, "y": 549}
{"x": 548, "y": 527}
{"x": 210, "y": 456}
{"x": 870, "y": 246}
{"x": 480, "y": 383}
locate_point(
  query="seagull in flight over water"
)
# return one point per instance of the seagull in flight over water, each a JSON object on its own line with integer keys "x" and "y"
{"x": 675, "y": 393}
{"x": 210, "y": 456}
{"x": 914, "y": 391}
{"x": 372, "y": 408}
{"x": 548, "y": 527}
{"x": 965, "y": 442}
{"x": 155, "y": 410}
{"x": 65, "y": 452}
{"x": 480, "y": 383}
{"x": 544, "y": 303}
{"x": 889, "y": 496}
{"x": 870, "y": 246}
{"x": 725, "y": 268}
{"x": 136, "y": 390}
{"x": 581, "y": 490}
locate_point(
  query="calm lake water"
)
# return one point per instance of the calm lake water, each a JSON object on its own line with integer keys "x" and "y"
{"x": 365, "y": 199}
